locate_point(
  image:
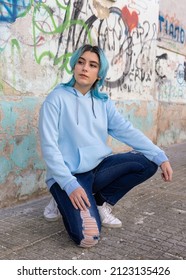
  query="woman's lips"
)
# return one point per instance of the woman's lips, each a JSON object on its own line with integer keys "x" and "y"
{"x": 83, "y": 76}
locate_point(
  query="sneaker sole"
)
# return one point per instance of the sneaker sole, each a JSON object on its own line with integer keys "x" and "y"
{"x": 112, "y": 226}
{"x": 54, "y": 219}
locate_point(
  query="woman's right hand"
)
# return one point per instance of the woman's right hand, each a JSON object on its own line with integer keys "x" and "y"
{"x": 79, "y": 199}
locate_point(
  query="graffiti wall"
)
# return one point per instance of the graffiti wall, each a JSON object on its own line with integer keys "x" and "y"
{"x": 37, "y": 39}
{"x": 172, "y": 26}
{"x": 171, "y": 93}
{"x": 170, "y": 68}
{"x": 170, "y": 76}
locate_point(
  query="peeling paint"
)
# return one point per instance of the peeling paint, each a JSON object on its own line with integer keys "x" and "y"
{"x": 23, "y": 150}
{"x": 102, "y": 11}
{"x": 6, "y": 168}
{"x": 26, "y": 184}
{"x": 142, "y": 114}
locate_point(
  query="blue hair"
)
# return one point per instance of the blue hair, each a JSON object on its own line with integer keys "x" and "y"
{"x": 104, "y": 65}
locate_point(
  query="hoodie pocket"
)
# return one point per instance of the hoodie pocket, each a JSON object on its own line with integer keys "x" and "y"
{"x": 91, "y": 156}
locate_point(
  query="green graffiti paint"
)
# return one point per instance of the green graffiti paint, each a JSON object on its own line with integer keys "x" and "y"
{"x": 29, "y": 6}
{"x": 15, "y": 44}
{"x": 15, "y": 52}
{"x": 63, "y": 60}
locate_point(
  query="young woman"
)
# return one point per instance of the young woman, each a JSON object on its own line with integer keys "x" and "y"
{"x": 83, "y": 175}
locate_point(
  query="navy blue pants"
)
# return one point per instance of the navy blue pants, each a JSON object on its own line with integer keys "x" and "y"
{"x": 110, "y": 181}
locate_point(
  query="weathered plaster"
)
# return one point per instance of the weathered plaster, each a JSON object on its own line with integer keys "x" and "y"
{"x": 171, "y": 123}
{"x": 22, "y": 170}
{"x": 143, "y": 116}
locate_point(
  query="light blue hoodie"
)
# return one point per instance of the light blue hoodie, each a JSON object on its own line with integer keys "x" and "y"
{"x": 74, "y": 130}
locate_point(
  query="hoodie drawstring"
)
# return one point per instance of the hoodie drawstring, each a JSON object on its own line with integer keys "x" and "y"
{"x": 93, "y": 106}
{"x": 77, "y": 109}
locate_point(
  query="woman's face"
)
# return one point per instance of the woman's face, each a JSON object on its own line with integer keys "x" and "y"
{"x": 86, "y": 71}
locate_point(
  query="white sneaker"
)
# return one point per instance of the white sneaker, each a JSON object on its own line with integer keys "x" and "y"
{"x": 51, "y": 212}
{"x": 108, "y": 219}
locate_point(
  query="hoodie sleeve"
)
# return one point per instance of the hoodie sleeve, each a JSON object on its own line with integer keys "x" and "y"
{"x": 123, "y": 130}
{"x": 48, "y": 131}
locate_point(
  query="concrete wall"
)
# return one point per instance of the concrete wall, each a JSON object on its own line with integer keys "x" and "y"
{"x": 147, "y": 76}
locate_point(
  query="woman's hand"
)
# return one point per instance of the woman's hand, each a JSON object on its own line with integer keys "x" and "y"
{"x": 79, "y": 199}
{"x": 166, "y": 171}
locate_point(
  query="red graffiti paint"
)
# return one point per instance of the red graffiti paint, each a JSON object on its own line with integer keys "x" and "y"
{"x": 131, "y": 19}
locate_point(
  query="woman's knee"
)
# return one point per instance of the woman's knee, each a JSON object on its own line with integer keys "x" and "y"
{"x": 90, "y": 232}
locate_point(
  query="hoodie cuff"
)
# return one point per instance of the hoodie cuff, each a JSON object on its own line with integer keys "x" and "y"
{"x": 160, "y": 158}
{"x": 70, "y": 187}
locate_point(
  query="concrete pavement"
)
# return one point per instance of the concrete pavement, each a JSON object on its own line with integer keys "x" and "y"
{"x": 153, "y": 216}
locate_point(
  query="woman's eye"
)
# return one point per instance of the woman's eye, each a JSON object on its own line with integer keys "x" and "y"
{"x": 93, "y": 65}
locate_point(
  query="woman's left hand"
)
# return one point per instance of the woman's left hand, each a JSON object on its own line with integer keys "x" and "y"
{"x": 166, "y": 171}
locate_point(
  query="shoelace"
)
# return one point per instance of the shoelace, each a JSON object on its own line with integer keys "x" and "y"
{"x": 107, "y": 211}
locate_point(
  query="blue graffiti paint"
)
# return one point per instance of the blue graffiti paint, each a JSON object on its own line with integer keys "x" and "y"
{"x": 176, "y": 33}
{"x": 12, "y": 9}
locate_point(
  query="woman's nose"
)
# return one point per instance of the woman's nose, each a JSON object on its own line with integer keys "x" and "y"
{"x": 85, "y": 67}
